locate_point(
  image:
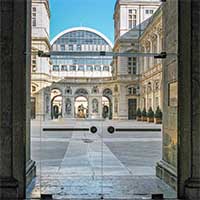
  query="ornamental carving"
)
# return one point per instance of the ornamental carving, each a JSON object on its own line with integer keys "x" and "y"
{"x": 47, "y": 100}
{"x": 95, "y": 90}
{"x": 68, "y": 90}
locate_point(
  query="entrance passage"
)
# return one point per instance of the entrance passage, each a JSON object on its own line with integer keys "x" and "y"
{"x": 132, "y": 105}
{"x": 81, "y": 107}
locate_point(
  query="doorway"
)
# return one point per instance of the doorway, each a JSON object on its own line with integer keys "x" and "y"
{"x": 132, "y": 105}
{"x": 92, "y": 156}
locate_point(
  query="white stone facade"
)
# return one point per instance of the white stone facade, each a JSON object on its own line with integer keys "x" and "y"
{"x": 130, "y": 13}
{"x": 40, "y": 67}
{"x": 120, "y": 80}
{"x": 151, "y": 81}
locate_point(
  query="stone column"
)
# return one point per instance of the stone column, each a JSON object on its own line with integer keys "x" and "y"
{"x": 192, "y": 11}
{"x": 15, "y": 40}
{"x": 73, "y": 106}
{"x": 123, "y": 103}
{"x": 145, "y": 60}
{"x": 63, "y": 105}
{"x": 151, "y": 51}
{"x": 182, "y": 35}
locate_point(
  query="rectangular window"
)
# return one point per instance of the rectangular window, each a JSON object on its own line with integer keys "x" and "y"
{"x": 148, "y": 12}
{"x": 89, "y": 68}
{"x": 132, "y": 18}
{"x": 62, "y": 47}
{"x": 72, "y": 68}
{"x": 97, "y": 68}
{"x": 34, "y": 15}
{"x": 56, "y": 68}
{"x": 64, "y": 68}
{"x": 132, "y": 65}
{"x": 70, "y": 47}
{"x": 106, "y": 68}
{"x": 81, "y": 68}
{"x": 78, "y": 47}
{"x": 34, "y": 68}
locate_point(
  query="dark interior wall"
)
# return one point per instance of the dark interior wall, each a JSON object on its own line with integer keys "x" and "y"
{"x": 15, "y": 41}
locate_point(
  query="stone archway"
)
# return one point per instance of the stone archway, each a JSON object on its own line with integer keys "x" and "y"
{"x": 56, "y": 103}
{"x": 106, "y": 107}
{"x": 81, "y": 105}
{"x": 107, "y": 103}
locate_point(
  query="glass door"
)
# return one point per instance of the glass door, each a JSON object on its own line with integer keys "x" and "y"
{"x": 73, "y": 103}
{"x": 97, "y": 138}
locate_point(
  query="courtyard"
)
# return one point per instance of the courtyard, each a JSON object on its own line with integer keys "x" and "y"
{"x": 82, "y": 165}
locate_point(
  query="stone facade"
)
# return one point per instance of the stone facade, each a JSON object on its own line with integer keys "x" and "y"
{"x": 167, "y": 168}
{"x": 129, "y": 13}
{"x": 150, "y": 68}
{"x": 40, "y": 67}
{"x": 121, "y": 78}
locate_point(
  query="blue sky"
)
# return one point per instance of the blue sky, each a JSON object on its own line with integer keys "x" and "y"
{"x": 96, "y": 14}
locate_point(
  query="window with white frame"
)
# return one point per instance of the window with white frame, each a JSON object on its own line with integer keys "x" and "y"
{"x": 132, "y": 18}
{"x": 89, "y": 68}
{"x": 132, "y": 65}
{"x": 132, "y": 91}
{"x": 62, "y": 47}
{"x": 81, "y": 68}
{"x": 97, "y": 68}
{"x": 64, "y": 68}
{"x": 34, "y": 15}
{"x": 34, "y": 63}
{"x": 56, "y": 68}
{"x": 106, "y": 68}
{"x": 149, "y": 11}
{"x": 72, "y": 68}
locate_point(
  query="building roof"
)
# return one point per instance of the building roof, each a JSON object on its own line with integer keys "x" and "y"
{"x": 152, "y": 19}
{"x": 82, "y": 29}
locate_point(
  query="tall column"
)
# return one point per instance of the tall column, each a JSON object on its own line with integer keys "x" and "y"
{"x": 63, "y": 106}
{"x": 15, "y": 40}
{"x": 145, "y": 59}
{"x": 192, "y": 189}
{"x": 151, "y": 51}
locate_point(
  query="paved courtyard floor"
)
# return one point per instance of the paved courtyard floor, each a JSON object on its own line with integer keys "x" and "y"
{"x": 82, "y": 165}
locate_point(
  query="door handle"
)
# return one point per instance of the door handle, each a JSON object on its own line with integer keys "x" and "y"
{"x": 93, "y": 129}
{"x": 111, "y": 129}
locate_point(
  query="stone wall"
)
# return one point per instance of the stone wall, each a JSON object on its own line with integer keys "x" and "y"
{"x": 15, "y": 40}
{"x": 167, "y": 168}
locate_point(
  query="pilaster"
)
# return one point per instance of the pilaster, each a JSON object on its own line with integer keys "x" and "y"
{"x": 15, "y": 41}
{"x": 192, "y": 184}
